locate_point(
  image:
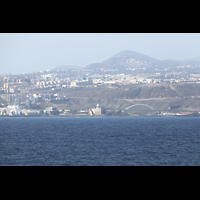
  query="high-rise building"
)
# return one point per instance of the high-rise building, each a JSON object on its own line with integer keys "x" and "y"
{"x": 10, "y": 98}
{"x": 28, "y": 103}
{"x": 1, "y": 81}
{"x": 5, "y": 85}
{"x": 5, "y": 80}
{"x": 17, "y": 102}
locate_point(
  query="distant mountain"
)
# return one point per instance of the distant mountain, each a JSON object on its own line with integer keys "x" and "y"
{"x": 169, "y": 63}
{"x": 196, "y": 59}
{"x": 128, "y": 55}
{"x": 193, "y": 60}
{"x": 63, "y": 67}
{"x": 126, "y": 59}
{"x": 181, "y": 62}
{"x": 132, "y": 59}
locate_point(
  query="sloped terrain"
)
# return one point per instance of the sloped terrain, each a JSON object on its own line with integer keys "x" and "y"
{"x": 126, "y": 59}
{"x": 159, "y": 96}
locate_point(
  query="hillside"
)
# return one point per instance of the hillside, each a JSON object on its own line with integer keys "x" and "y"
{"x": 130, "y": 58}
{"x": 126, "y": 59}
{"x": 129, "y": 62}
{"x": 138, "y": 91}
{"x": 159, "y": 96}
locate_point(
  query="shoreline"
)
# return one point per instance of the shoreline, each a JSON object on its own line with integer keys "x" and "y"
{"x": 80, "y": 116}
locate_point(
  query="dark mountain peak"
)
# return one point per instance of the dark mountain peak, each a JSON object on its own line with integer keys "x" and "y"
{"x": 132, "y": 55}
{"x": 131, "y": 59}
{"x": 125, "y": 59}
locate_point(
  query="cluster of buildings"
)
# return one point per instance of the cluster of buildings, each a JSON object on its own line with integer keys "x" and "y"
{"x": 16, "y": 110}
{"x": 108, "y": 80}
{"x": 13, "y": 110}
{"x": 14, "y": 85}
{"x": 18, "y": 92}
{"x": 127, "y": 79}
{"x": 56, "y": 80}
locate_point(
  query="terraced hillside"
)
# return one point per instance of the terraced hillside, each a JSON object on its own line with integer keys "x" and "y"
{"x": 159, "y": 96}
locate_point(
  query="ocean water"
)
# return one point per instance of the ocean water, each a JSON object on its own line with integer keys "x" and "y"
{"x": 114, "y": 141}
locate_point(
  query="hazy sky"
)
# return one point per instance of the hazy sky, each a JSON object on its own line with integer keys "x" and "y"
{"x": 28, "y": 52}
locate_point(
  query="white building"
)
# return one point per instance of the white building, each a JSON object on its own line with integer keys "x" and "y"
{"x": 13, "y": 110}
{"x": 95, "y": 111}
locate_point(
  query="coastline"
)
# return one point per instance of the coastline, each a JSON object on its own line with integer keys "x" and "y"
{"x": 104, "y": 116}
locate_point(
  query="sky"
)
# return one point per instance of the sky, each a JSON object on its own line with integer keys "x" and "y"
{"x": 29, "y": 52}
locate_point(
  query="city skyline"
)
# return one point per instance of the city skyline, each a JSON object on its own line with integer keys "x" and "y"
{"x": 28, "y": 52}
{"x": 128, "y": 83}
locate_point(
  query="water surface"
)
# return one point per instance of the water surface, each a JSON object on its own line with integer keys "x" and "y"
{"x": 132, "y": 141}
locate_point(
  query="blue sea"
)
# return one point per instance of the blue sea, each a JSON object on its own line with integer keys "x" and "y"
{"x": 103, "y": 141}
